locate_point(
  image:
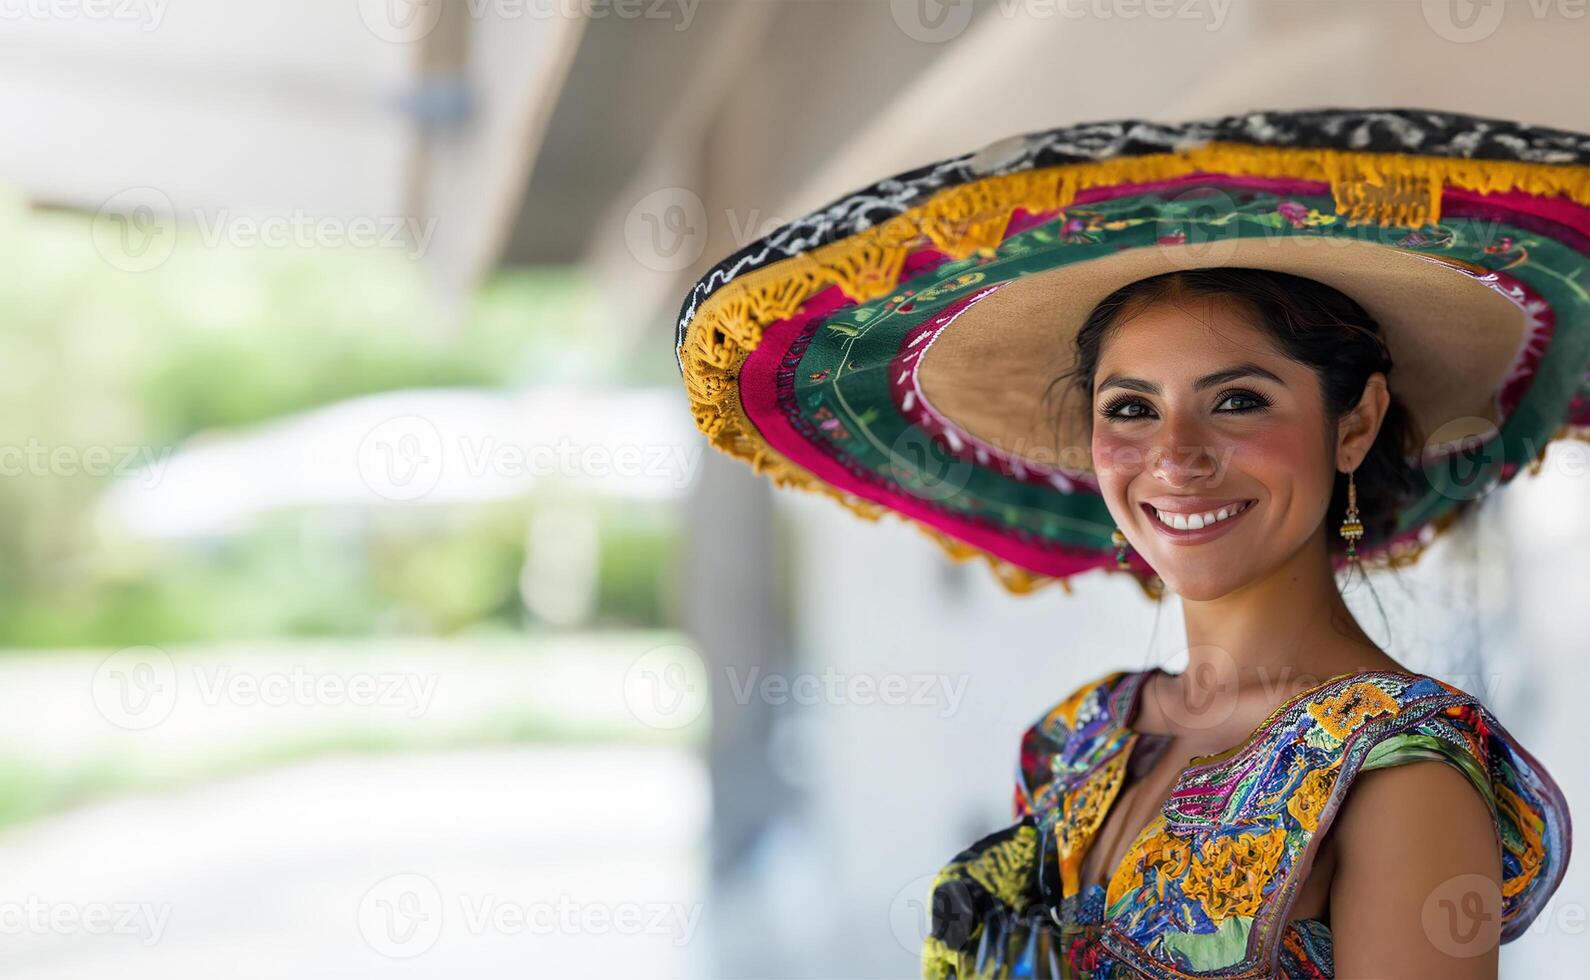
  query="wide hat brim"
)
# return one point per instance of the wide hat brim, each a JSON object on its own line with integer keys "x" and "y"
{"x": 896, "y": 349}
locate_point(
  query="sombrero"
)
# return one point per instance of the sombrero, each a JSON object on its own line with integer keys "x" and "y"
{"x": 893, "y": 348}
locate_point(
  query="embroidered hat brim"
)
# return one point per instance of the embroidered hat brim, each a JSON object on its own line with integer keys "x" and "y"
{"x": 895, "y": 349}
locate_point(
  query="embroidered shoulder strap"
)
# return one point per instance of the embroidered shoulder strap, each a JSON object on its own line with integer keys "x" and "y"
{"x": 1213, "y": 883}
{"x": 1067, "y": 741}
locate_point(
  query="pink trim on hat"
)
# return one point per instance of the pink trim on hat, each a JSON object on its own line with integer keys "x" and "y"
{"x": 780, "y": 351}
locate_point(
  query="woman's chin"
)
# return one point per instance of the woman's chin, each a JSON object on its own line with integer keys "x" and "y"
{"x": 1199, "y": 584}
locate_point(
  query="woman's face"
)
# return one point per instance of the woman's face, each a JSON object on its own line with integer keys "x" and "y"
{"x": 1194, "y": 413}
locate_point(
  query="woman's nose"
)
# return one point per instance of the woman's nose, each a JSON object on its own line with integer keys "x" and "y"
{"x": 1182, "y": 452}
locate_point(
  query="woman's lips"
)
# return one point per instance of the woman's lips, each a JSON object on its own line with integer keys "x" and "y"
{"x": 1207, "y": 533}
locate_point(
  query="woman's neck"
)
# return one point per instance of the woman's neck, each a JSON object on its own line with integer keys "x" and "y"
{"x": 1285, "y": 630}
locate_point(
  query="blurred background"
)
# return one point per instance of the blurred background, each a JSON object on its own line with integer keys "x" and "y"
{"x": 370, "y": 605}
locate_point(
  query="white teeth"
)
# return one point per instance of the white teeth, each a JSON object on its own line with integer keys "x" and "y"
{"x": 1194, "y": 522}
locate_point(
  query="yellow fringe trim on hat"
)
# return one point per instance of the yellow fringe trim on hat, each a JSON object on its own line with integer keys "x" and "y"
{"x": 1385, "y": 188}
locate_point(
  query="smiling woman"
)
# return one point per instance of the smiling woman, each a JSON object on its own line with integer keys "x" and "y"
{"x": 1290, "y": 363}
{"x": 1284, "y": 345}
{"x": 1190, "y": 832}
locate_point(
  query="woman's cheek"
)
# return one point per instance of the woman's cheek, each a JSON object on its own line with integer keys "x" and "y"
{"x": 1276, "y": 455}
{"x": 1116, "y": 460}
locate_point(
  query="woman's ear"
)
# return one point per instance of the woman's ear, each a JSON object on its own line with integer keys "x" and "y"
{"x": 1358, "y": 428}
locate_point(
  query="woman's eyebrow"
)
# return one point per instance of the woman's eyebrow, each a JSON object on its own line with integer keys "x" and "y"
{"x": 1207, "y": 381}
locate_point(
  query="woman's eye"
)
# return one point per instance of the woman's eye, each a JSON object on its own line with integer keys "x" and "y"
{"x": 1130, "y": 408}
{"x": 1255, "y": 401}
{"x": 1118, "y": 409}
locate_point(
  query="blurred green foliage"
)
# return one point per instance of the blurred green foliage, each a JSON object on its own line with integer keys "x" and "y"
{"x": 217, "y": 338}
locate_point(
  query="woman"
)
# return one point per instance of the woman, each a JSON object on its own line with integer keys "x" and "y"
{"x": 1251, "y": 392}
{"x": 1273, "y": 337}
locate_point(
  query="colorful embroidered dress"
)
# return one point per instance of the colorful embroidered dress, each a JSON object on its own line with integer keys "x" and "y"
{"x": 1205, "y": 890}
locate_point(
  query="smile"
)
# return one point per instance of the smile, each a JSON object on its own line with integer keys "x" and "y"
{"x": 1200, "y": 527}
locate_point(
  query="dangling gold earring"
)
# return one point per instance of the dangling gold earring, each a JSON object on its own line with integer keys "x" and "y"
{"x": 1120, "y": 548}
{"x": 1352, "y": 528}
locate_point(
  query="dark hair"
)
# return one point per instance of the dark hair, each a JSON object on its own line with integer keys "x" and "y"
{"x": 1314, "y": 324}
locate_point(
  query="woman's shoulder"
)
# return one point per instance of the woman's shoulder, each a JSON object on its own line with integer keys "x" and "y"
{"x": 1068, "y": 736}
{"x": 1087, "y": 703}
{"x": 1377, "y": 720}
